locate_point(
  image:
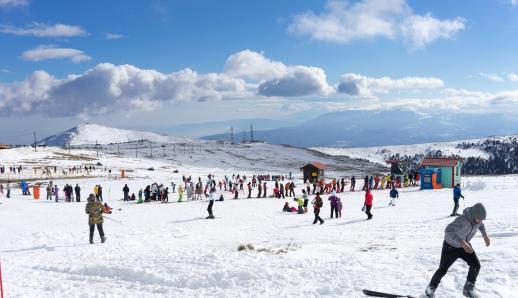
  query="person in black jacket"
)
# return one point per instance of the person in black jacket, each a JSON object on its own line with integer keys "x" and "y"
{"x": 394, "y": 194}
{"x": 77, "y": 190}
{"x": 126, "y": 190}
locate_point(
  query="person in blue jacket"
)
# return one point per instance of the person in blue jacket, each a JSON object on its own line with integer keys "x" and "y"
{"x": 457, "y": 194}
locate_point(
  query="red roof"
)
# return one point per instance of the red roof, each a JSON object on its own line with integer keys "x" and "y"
{"x": 440, "y": 161}
{"x": 317, "y": 165}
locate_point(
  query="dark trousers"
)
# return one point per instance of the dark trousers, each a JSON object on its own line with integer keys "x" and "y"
{"x": 99, "y": 228}
{"x": 78, "y": 197}
{"x": 455, "y": 206}
{"x": 335, "y": 210}
{"x": 317, "y": 217}
{"x": 449, "y": 255}
{"x": 368, "y": 211}
{"x": 259, "y": 193}
{"x": 8, "y": 193}
{"x": 209, "y": 209}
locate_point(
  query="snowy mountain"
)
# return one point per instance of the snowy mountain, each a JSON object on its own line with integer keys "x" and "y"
{"x": 85, "y": 134}
{"x": 490, "y": 155}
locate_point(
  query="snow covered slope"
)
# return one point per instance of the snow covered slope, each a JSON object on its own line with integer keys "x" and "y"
{"x": 381, "y": 153}
{"x": 92, "y": 133}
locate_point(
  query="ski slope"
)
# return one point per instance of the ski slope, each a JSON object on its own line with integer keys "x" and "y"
{"x": 170, "y": 250}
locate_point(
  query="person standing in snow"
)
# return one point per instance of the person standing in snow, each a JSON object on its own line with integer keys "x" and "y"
{"x": 317, "y": 204}
{"x": 56, "y": 193}
{"x": 306, "y": 200}
{"x": 8, "y": 189}
{"x": 353, "y": 183}
{"x": 126, "y": 190}
{"x": 334, "y": 204}
{"x": 77, "y": 189}
{"x": 368, "y": 203}
{"x": 264, "y": 189}
{"x": 457, "y": 194}
{"x": 211, "y": 203}
{"x": 393, "y": 195}
{"x": 456, "y": 245}
{"x": 94, "y": 208}
{"x": 259, "y": 189}
{"x": 100, "y": 190}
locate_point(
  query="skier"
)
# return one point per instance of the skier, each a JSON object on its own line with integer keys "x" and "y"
{"x": 334, "y": 204}
{"x": 77, "y": 189}
{"x": 456, "y": 245}
{"x": 456, "y": 196}
{"x": 211, "y": 202}
{"x": 126, "y": 190}
{"x": 317, "y": 204}
{"x": 368, "y": 203}
{"x": 94, "y": 209}
{"x": 393, "y": 195}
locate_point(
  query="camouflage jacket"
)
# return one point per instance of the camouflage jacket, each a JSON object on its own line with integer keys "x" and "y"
{"x": 94, "y": 209}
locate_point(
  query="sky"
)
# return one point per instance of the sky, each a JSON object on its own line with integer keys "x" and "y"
{"x": 151, "y": 63}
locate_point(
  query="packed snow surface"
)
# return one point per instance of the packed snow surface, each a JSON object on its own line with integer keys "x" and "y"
{"x": 171, "y": 250}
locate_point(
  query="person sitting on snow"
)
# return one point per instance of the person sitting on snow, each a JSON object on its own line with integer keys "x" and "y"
{"x": 107, "y": 209}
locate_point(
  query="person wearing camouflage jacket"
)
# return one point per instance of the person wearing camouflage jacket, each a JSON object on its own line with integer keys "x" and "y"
{"x": 94, "y": 209}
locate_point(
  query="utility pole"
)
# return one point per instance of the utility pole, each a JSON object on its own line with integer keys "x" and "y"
{"x": 151, "y": 147}
{"x": 35, "y": 145}
{"x": 96, "y": 147}
{"x": 232, "y": 135}
{"x": 117, "y": 149}
{"x": 136, "y": 146}
{"x": 251, "y": 133}
{"x": 69, "y": 148}
{"x": 244, "y": 137}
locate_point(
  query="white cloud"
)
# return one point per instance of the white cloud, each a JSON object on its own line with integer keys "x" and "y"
{"x": 491, "y": 76}
{"x": 366, "y": 87}
{"x": 513, "y": 77}
{"x": 419, "y": 31}
{"x": 45, "y": 30}
{"x": 343, "y": 22}
{"x": 5, "y": 3}
{"x": 110, "y": 36}
{"x": 47, "y": 52}
{"x": 4, "y": 70}
{"x": 108, "y": 87}
{"x": 252, "y": 65}
{"x": 299, "y": 81}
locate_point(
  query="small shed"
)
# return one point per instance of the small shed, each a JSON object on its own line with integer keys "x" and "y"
{"x": 449, "y": 168}
{"x": 430, "y": 178}
{"x": 313, "y": 171}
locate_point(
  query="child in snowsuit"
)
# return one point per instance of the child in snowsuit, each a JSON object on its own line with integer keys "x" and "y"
{"x": 211, "y": 203}
{"x": 368, "y": 203}
{"x": 317, "y": 204}
{"x": 393, "y": 195}
{"x": 456, "y": 246}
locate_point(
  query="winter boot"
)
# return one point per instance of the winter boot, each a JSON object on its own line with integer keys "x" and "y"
{"x": 103, "y": 239}
{"x": 469, "y": 290}
{"x": 429, "y": 292}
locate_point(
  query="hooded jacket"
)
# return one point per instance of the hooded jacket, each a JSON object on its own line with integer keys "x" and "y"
{"x": 464, "y": 226}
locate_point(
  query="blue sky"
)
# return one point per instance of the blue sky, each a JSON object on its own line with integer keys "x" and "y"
{"x": 174, "y": 62}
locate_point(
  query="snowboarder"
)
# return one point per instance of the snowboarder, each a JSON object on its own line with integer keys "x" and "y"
{"x": 368, "y": 203}
{"x": 317, "y": 204}
{"x": 211, "y": 203}
{"x": 94, "y": 208}
{"x": 126, "y": 190}
{"x": 457, "y": 194}
{"x": 456, "y": 245}
{"x": 393, "y": 195}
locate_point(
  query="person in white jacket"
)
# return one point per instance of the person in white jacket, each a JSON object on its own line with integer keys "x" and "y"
{"x": 211, "y": 203}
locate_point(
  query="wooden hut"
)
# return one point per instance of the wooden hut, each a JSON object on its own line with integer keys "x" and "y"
{"x": 312, "y": 171}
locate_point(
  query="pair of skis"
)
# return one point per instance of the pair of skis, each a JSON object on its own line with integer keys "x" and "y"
{"x": 386, "y": 295}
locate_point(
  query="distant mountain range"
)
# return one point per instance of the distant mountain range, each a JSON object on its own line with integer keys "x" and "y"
{"x": 361, "y": 128}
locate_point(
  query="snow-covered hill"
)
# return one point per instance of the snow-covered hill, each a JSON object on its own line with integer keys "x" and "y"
{"x": 84, "y": 134}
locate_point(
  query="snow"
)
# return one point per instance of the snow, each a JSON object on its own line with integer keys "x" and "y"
{"x": 170, "y": 250}
{"x": 381, "y": 153}
{"x": 98, "y": 134}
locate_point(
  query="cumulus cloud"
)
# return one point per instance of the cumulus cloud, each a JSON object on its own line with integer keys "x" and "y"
{"x": 366, "y": 87}
{"x": 107, "y": 87}
{"x": 513, "y": 77}
{"x": 275, "y": 78}
{"x": 491, "y": 76}
{"x": 344, "y": 22}
{"x": 299, "y": 81}
{"x": 47, "y": 52}
{"x": 6, "y": 3}
{"x": 111, "y": 36}
{"x": 44, "y": 30}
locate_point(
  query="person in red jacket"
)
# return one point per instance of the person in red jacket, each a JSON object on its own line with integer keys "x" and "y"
{"x": 368, "y": 203}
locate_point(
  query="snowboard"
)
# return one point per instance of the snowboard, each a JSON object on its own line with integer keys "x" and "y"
{"x": 386, "y": 295}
